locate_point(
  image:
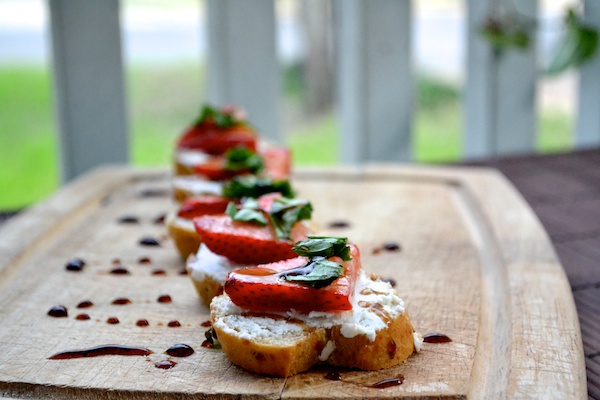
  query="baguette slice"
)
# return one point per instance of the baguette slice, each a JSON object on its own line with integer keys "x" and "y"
{"x": 375, "y": 334}
{"x": 208, "y": 272}
{"x": 184, "y": 235}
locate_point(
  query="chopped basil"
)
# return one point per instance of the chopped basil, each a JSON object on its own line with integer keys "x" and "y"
{"x": 253, "y": 186}
{"x": 222, "y": 119}
{"x": 318, "y": 273}
{"x": 323, "y": 246}
{"x": 242, "y": 158}
{"x": 286, "y": 212}
{"x": 248, "y": 213}
{"x": 211, "y": 337}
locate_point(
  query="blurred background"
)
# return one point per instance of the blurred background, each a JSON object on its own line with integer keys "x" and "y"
{"x": 165, "y": 50}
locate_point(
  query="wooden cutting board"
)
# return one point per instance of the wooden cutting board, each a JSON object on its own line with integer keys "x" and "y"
{"x": 474, "y": 263}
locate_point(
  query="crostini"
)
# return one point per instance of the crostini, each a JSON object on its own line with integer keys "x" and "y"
{"x": 281, "y": 318}
{"x": 255, "y": 231}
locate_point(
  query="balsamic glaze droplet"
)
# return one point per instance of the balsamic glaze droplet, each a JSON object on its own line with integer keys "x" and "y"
{"x": 159, "y": 272}
{"x": 391, "y": 281}
{"x": 112, "y": 320}
{"x": 75, "y": 264}
{"x": 85, "y": 304}
{"x": 207, "y": 344}
{"x": 333, "y": 376}
{"x": 121, "y": 301}
{"x": 109, "y": 349}
{"x": 142, "y": 323}
{"x": 128, "y": 219}
{"x": 153, "y": 193}
{"x": 160, "y": 219}
{"x": 149, "y": 241}
{"x": 339, "y": 224}
{"x": 174, "y": 324}
{"x": 165, "y": 364}
{"x": 436, "y": 338}
{"x": 58, "y": 312}
{"x": 206, "y": 324}
{"x": 180, "y": 350}
{"x": 119, "y": 271}
{"x": 388, "y": 382}
{"x": 391, "y": 246}
{"x": 165, "y": 298}
{"x": 144, "y": 260}
{"x": 183, "y": 272}
{"x": 82, "y": 317}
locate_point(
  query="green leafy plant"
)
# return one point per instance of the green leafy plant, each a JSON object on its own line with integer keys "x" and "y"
{"x": 505, "y": 33}
{"x": 578, "y": 45}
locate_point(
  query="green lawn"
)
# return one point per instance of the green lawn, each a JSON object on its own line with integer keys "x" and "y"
{"x": 164, "y": 98}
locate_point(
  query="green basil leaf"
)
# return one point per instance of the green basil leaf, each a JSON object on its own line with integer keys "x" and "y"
{"x": 248, "y": 213}
{"x": 318, "y": 273}
{"x": 211, "y": 337}
{"x": 253, "y": 186}
{"x": 220, "y": 118}
{"x": 231, "y": 209}
{"x": 324, "y": 246}
{"x": 286, "y": 212}
{"x": 242, "y": 158}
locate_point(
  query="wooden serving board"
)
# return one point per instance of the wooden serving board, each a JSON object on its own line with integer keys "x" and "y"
{"x": 474, "y": 264}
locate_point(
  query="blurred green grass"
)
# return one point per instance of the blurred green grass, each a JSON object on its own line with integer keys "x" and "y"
{"x": 164, "y": 98}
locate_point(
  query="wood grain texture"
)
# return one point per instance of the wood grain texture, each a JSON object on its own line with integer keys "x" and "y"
{"x": 474, "y": 264}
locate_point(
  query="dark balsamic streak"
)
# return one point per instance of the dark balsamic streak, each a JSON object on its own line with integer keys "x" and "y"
{"x": 104, "y": 350}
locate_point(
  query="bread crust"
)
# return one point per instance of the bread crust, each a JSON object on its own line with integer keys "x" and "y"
{"x": 207, "y": 289}
{"x": 391, "y": 346}
{"x": 186, "y": 239}
{"x": 273, "y": 358}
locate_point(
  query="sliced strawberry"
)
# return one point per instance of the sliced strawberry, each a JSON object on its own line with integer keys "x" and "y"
{"x": 214, "y": 170}
{"x": 244, "y": 242}
{"x": 213, "y": 140}
{"x": 266, "y": 200}
{"x": 262, "y": 288}
{"x": 278, "y": 162}
{"x": 203, "y": 205}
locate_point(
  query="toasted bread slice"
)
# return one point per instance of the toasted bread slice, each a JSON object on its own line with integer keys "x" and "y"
{"x": 375, "y": 334}
{"x": 208, "y": 272}
{"x": 184, "y": 235}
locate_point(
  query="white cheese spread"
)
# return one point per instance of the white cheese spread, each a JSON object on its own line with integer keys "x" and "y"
{"x": 190, "y": 158}
{"x": 195, "y": 186}
{"x": 208, "y": 264}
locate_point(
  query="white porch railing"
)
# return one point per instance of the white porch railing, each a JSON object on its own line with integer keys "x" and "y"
{"x": 374, "y": 79}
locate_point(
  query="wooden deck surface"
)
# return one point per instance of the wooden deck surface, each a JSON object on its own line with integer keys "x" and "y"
{"x": 564, "y": 191}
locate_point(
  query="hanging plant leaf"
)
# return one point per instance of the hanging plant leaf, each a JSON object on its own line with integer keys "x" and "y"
{"x": 578, "y": 45}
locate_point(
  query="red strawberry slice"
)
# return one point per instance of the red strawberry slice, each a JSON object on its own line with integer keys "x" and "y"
{"x": 203, "y": 205}
{"x": 278, "y": 162}
{"x": 214, "y": 170}
{"x": 213, "y": 140}
{"x": 244, "y": 242}
{"x": 266, "y": 200}
{"x": 262, "y": 289}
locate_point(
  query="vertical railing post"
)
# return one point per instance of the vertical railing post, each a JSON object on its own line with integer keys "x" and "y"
{"x": 242, "y": 60}
{"x": 588, "y": 117}
{"x": 375, "y": 85}
{"x": 500, "y": 115}
{"x": 88, "y": 80}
